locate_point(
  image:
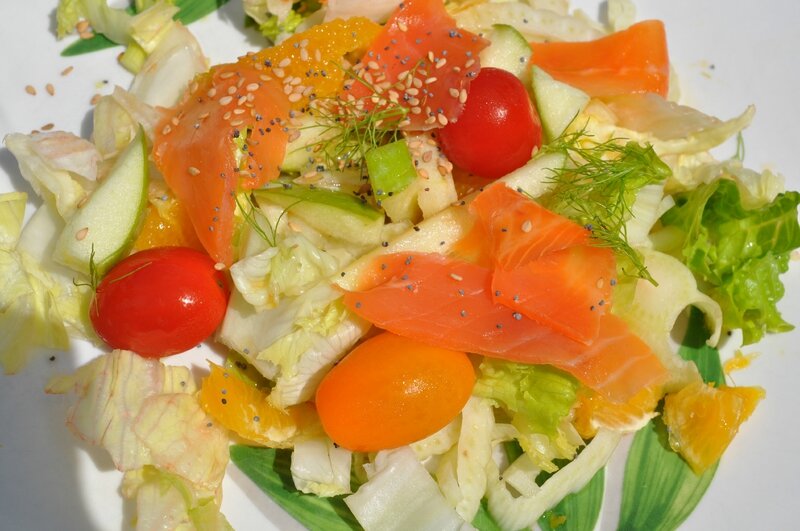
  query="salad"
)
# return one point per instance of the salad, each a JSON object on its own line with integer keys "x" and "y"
{"x": 260, "y": 216}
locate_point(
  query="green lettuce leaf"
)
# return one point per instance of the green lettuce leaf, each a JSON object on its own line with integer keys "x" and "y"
{"x": 537, "y": 396}
{"x": 739, "y": 253}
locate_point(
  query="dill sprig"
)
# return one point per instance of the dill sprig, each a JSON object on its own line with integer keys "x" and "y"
{"x": 353, "y": 126}
{"x": 597, "y": 186}
{"x": 251, "y": 213}
{"x": 94, "y": 274}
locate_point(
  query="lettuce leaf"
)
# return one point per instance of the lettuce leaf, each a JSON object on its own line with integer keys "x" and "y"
{"x": 537, "y": 396}
{"x": 320, "y": 467}
{"x": 60, "y": 167}
{"x": 29, "y": 316}
{"x": 167, "y": 501}
{"x": 738, "y": 252}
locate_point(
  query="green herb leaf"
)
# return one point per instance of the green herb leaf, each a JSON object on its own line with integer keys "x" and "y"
{"x": 269, "y": 469}
{"x": 660, "y": 490}
{"x": 190, "y": 11}
{"x": 580, "y": 510}
{"x": 598, "y": 186}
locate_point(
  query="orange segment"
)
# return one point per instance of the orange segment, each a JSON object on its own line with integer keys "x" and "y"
{"x": 166, "y": 224}
{"x": 244, "y": 409}
{"x": 702, "y": 420}
{"x": 594, "y": 411}
{"x": 315, "y": 57}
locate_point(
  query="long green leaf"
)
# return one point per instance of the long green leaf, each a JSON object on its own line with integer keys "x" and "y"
{"x": 483, "y": 521}
{"x": 190, "y": 11}
{"x": 269, "y": 469}
{"x": 578, "y": 511}
{"x": 660, "y": 490}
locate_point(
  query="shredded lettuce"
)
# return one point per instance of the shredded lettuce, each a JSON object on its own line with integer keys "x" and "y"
{"x": 513, "y": 510}
{"x": 60, "y": 167}
{"x": 651, "y": 311}
{"x": 173, "y": 60}
{"x": 320, "y": 467}
{"x": 277, "y": 19}
{"x": 461, "y": 473}
{"x": 286, "y": 270}
{"x": 29, "y": 316}
{"x": 167, "y": 501}
{"x": 534, "y": 24}
{"x": 400, "y": 494}
{"x": 738, "y": 253}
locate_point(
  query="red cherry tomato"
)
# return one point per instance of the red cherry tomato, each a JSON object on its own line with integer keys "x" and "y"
{"x": 498, "y": 128}
{"x": 160, "y": 301}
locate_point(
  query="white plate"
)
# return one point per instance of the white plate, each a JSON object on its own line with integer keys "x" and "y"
{"x": 728, "y": 54}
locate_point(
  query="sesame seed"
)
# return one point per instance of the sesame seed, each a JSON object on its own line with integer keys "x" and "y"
{"x": 225, "y": 100}
{"x": 441, "y": 62}
{"x": 30, "y": 90}
{"x": 67, "y": 70}
{"x": 167, "y": 129}
{"x": 286, "y": 61}
{"x": 211, "y": 92}
{"x": 251, "y": 87}
{"x": 95, "y": 99}
{"x": 469, "y": 63}
{"x": 526, "y": 226}
{"x": 462, "y": 96}
{"x": 226, "y": 75}
{"x": 430, "y": 80}
{"x": 442, "y": 119}
{"x": 463, "y": 313}
{"x": 81, "y": 234}
{"x": 456, "y": 277}
{"x": 47, "y": 127}
{"x": 402, "y": 26}
{"x": 193, "y": 171}
{"x": 517, "y": 316}
{"x": 278, "y": 72}
{"x": 237, "y": 123}
{"x": 295, "y": 97}
{"x": 453, "y": 92}
{"x": 242, "y": 100}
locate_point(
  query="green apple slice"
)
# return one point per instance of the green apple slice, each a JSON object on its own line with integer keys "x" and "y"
{"x": 337, "y": 214}
{"x": 508, "y": 50}
{"x": 105, "y": 227}
{"x": 558, "y": 103}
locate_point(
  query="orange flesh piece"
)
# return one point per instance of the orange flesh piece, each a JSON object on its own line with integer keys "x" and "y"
{"x": 703, "y": 420}
{"x": 629, "y": 61}
{"x": 244, "y": 409}
{"x": 449, "y": 304}
{"x": 314, "y": 57}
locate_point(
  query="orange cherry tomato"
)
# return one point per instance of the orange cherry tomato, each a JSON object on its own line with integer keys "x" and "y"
{"x": 391, "y": 391}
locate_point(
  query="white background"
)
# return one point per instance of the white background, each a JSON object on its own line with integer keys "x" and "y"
{"x": 49, "y": 480}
